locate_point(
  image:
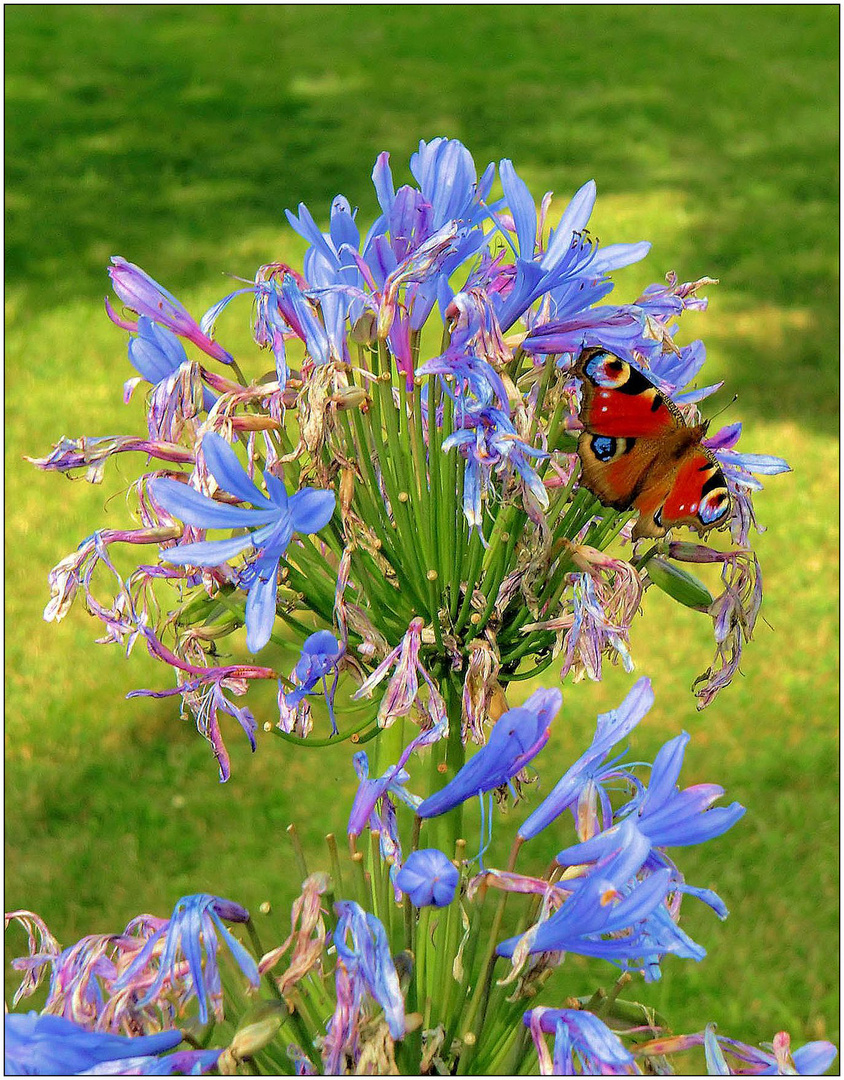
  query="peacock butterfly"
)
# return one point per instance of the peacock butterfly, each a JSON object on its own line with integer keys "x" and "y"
{"x": 637, "y": 452}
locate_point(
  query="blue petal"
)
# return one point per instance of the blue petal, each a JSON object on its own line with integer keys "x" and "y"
{"x": 226, "y": 469}
{"x": 311, "y": 509}
{"x": 190, "y": 506}
{"x": 575, "y": 217}
{"x": 260, "y": 610}
{"x": 206, "y": 552}
{"x": 614, "y": 256}
{"x": 522, "y": 207}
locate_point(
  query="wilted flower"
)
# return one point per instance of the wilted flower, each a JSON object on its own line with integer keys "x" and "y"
{"x": 582, "y": 1043}
{"x": 145, "y": 296}
{"x": 195, "y": 923}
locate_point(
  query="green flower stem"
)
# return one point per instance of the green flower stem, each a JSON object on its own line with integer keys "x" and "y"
{"x": 476, "y": 550}
{"x": 475, "y": 1014}
{"x": 364, "y": 890}
{"x": 507, "y": 536}
{"x": 378, "y": 890}
{"x": 332, "y": 740}
{"x": 548, "y": 371}
{"x": 456, "y": 751}
{"x": 534, "y": 672}
{"x": 334, "y": 860}
{"x": 423, "y": 943}
{"x": 468, "y": 962}
{"x": 298, "y": 851}
{"x": 372, "y": 511}
{"x": 445, "y": 980}
{"x": 396, "y": 480}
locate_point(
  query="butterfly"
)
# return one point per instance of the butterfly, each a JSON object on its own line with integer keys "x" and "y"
{"x": 637, "y": 452}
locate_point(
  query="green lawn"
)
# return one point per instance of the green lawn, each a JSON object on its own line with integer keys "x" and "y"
{"x": 176, "y": 136}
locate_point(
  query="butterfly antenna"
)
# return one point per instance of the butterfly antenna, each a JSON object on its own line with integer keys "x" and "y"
{"x": 724, "y": 408}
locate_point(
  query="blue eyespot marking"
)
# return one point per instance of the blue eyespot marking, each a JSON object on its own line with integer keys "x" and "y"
{"x": 607, "y": 370}
{"x": 603, "y": 447}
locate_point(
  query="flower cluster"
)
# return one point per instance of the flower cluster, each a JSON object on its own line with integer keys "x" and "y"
{"x": 401, "y": 507}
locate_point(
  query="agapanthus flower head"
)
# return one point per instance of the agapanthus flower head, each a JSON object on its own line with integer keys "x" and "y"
{"x": 515, "y": 739}
{"x": 274, "y": 520}
{"x": 428, "y": 877}
{"x": 43, "y": 1045}
{"x": 177, "y": 949}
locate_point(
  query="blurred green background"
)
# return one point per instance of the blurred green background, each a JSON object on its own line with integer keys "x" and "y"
{"x": 176, "y": 136}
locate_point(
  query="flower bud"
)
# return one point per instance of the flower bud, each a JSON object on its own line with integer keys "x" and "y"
{"x": 257, "y": 1029}
{"x": 350, "y": 397}
{"x": 679, "y": 584}
{"x": 363, "y": 331}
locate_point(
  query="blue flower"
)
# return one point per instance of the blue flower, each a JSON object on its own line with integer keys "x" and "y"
{"x": 320, "y": 655}
{"x": 580, "y": 1039}
{"x": 662, "y": 814}
{"x": 516, "y": 738}
{"x": 428, "y": 877}
{"x": 144, "y": 295}
{"x": 570, "y": 258}
{"x": 612, "y": 900}
{"x": 274, "y": 520}
{"x": 195, "y": 923}
{"x": 51, "y": 1045}
{"x": 612, "y": 728}
{"x": 362, "y": 946}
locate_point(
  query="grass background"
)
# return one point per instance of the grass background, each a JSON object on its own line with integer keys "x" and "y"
{"x": 176, "y": 136}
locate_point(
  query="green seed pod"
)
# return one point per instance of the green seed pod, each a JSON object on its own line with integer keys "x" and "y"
{"x": 679, "y": 584}
{"x": 258, "y": 1028}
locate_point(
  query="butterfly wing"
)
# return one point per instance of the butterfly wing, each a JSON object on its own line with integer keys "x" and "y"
{"x": 637, "y": 452}
{"x": 619, "y": 401}
{"x": 699, "y": 496}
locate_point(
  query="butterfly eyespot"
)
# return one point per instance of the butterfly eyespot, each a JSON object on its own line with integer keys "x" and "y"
{"x": 604, "y": 447}
{"x": 607, "y": 370}
{"x": 714, "y": 506}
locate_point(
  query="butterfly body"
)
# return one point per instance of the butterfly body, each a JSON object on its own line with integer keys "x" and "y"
{"x": 637, "y": 452}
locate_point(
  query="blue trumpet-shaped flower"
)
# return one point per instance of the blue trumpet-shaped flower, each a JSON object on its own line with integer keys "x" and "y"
{"x": 53, "y": 1046}
{"x": 144, "y": 295}
{"x": 273, "y": 521}
{"x": 612, "y": 728}
{"x": 664, "y": 815}
{"x": 516, "y": 738}
{"x": 320, "y": 655}
{"x": 428, "y": 878}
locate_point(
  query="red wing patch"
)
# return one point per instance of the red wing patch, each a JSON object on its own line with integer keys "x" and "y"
{"x": 619, "y": 401}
